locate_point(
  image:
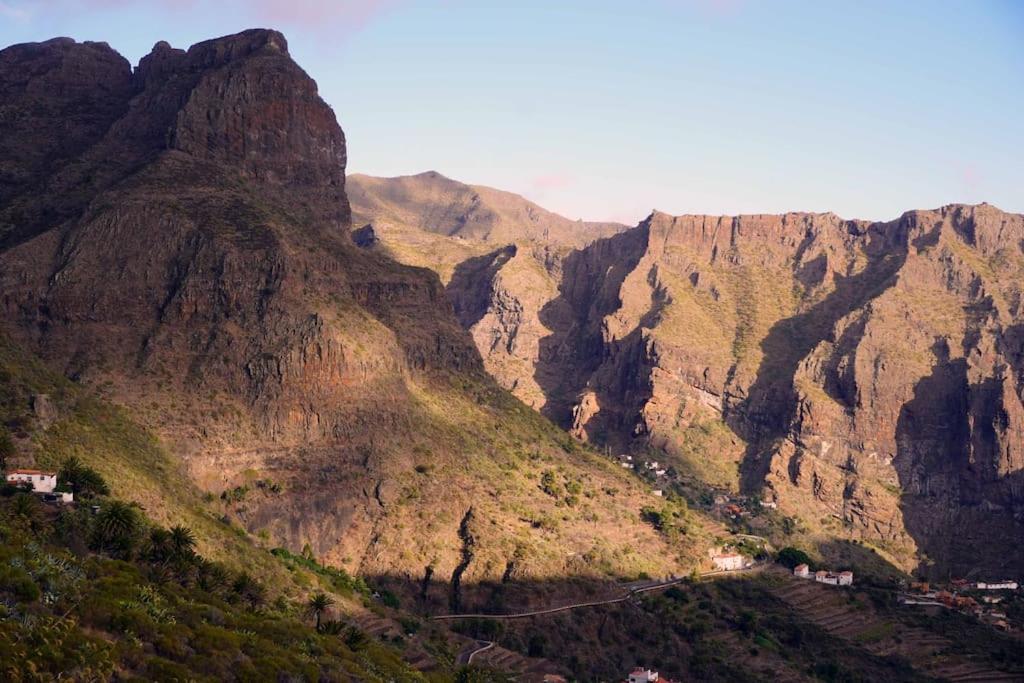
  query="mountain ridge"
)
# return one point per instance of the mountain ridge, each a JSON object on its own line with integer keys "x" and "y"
{"x": 730, "y": 344}
{"x": 193, "y": 264}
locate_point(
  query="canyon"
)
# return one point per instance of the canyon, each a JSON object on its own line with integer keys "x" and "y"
{"x": 864, "y": 377}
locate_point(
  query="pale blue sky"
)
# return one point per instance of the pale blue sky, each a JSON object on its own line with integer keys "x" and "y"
{"x": 605, "y": 110}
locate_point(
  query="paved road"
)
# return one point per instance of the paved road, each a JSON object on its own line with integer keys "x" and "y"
{"x": 610, "y": 601}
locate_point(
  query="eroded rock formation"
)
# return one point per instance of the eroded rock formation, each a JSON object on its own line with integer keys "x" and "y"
{"x": 181, "y": 243}
{"x": 865, "y": 376}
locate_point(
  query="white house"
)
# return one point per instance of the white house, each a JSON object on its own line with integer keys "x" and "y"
{"x": 641, "y": 675}
{"x": 728, "y": 562}
{"x": 41, "y": 482}
{"x": 802, "y": 570}
{"x": 828, "y": 578}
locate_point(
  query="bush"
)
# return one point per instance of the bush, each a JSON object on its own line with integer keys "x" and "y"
{"x": 549, "y": 484}
{"x": 17, "y": 582}
{"x": 790, "y": 557}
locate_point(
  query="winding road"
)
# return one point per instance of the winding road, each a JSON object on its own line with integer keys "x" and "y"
{"x": 487, "y": 645}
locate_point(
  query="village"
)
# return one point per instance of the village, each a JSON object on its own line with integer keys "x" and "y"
{"x": 987, "y": 601}
{"x": 984, "y": 600}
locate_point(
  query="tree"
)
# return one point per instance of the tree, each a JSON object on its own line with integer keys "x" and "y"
{"x": 159, "y": 546}
{"x": 791, "y": 557}
{"x": 356, "y": 639}
{"x": 211, "y": 576}
{"x": 83, "y": 481}
{"x": 183, "y": 542}
{"x": 249, "y": 589}
{"x": 318, "y": 604}
{"x": 27, "y": 507}
{"x": 116, "y": 529}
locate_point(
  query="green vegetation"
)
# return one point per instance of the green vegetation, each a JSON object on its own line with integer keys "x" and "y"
{"x": 338, "y": 579}
{"x": 83, "y": 481}
{"x": 790, "y": 557}
{"x": 671, "y": 518}
{"x": 85, "y": 595}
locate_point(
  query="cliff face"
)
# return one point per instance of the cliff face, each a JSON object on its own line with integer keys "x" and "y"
{"x": 182, "y": 246}
{"x": 865, "y": 376}
{"x": 872, "y": 373}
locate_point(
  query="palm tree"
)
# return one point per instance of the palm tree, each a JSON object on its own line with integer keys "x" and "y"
{"x": 159, "y": 545}
{"x": 249, "y": 589}
{"x": 116, "y": 527}
{"x": 211, "y": 576}
{"x": 81, "y": 480}
{"x": 318, "y": 604}
{"x": 183, "y": 541}
{"x": 26, "y": 506}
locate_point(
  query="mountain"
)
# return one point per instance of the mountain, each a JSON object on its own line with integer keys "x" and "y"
{"x": 433, "y": 203}
{"x": 864, "y": 377}
{"x": 176, "y": 241}
{"x": 186, "y": 309}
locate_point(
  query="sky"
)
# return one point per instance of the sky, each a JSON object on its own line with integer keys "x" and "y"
{"x": 605, "y": 110}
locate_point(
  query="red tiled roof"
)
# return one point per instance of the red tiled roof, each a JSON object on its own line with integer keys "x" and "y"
{"x": 49, "y": 474}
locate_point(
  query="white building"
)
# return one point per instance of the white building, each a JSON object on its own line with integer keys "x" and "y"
{"x": 43, "y": 483}
{"x": 830, "y": 579}
{"x": 997, "y": 586}
{"x": 802, "y": 570}
{"x": 641, "y": 675}
{"x": 728, "y": 562}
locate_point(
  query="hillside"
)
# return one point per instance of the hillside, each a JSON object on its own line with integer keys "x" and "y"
{"x": 864, "y": 377}
{"x": 185, "y": 257}
{"x": 432, "y": 203}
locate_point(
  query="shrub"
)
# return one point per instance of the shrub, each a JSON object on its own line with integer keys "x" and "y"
{"x": 791, "y": 557}
{"x": 549, "y": 483}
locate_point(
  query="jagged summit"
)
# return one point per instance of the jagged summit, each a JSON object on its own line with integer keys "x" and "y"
{"x": 181, "y": 240}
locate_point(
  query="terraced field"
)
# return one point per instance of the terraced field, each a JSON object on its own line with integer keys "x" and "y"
{"x": 859, "y": 623}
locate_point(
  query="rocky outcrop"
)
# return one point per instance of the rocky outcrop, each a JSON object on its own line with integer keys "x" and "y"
{"x": 864, "y": 376}
{"x": 185, "y": 251}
